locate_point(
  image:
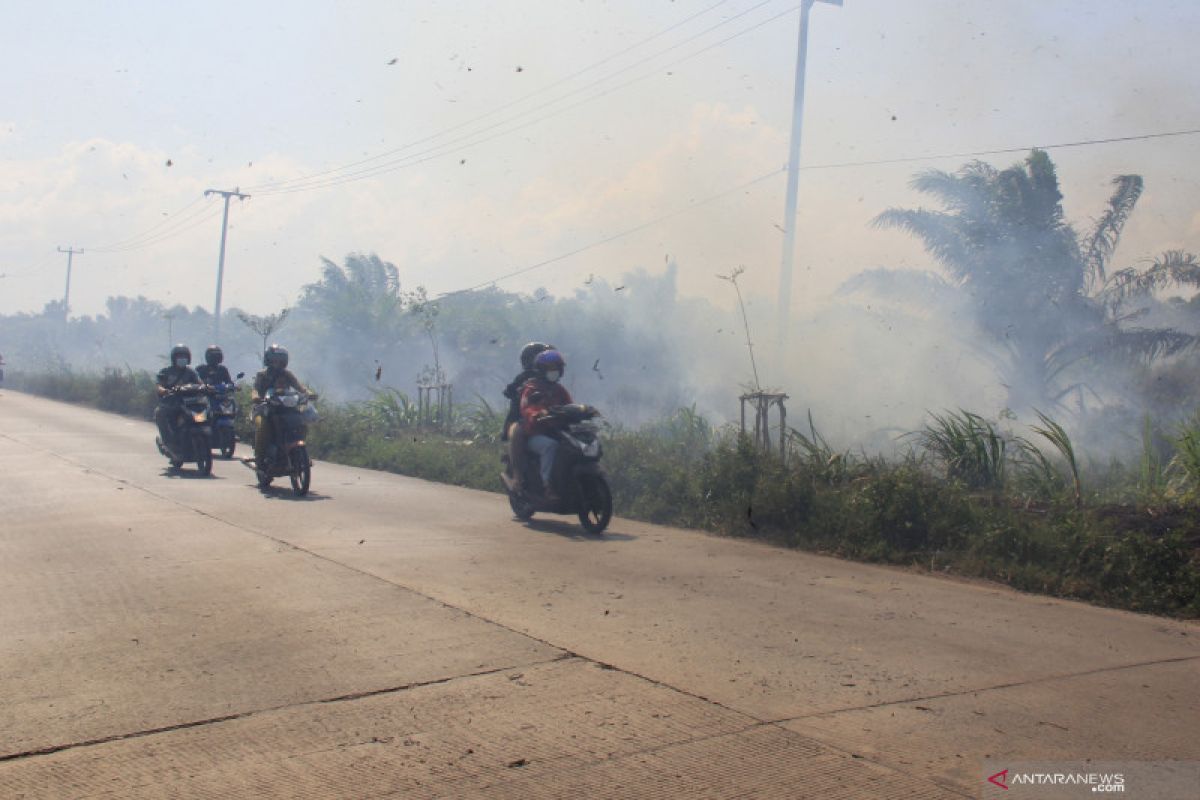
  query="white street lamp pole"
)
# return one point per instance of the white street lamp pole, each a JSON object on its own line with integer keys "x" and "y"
{"x": 789, "y": 218}
{"x": 221, "y": 258}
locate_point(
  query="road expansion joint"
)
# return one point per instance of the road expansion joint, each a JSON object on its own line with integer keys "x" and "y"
{"x": 342, "y": 698}
{"x": 993, "y": 688}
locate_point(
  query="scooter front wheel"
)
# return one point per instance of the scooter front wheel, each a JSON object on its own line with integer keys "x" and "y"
{"x": 204, "y": 460}
{"x": 301, "y": 473}
{"x": 228, "y": 443}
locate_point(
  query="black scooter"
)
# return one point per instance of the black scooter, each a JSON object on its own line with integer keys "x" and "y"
{"x": 578, "y": 478}
{"x": 287, "y": 455}
{"x": 193, "y": 428}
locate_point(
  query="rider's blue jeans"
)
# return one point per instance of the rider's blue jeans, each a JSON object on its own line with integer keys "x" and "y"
{"x": 546, "y": 448}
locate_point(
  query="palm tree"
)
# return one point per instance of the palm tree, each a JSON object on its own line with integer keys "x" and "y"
{"x": 1040, "y": 291}
{"x": 358, "y": 311}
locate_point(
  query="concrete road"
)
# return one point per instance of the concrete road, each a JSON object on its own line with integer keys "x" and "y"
{"x": 165, "y": 635}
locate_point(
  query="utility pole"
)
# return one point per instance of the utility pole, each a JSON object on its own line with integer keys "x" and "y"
{"x": 221, "y": 259}
{"x": 789, "y": 217}
{"x": 71, "y": 252}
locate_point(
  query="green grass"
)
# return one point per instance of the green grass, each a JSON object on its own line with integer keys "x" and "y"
{"x": 968, "y": 499}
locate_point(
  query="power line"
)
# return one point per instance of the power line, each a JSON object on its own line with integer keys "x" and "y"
{"x": 182, "y": 225}
{"x": 302, "y": 184}
{"x": 262, "y": 187}
{"x": 1005, "y": 150}
{"x": 840, "y": 165}
{"x": 130, "y": 242}
{"x": 621, "y": 235}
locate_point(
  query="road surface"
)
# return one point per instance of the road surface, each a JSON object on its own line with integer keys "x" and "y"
{"x": 165, "y": 635}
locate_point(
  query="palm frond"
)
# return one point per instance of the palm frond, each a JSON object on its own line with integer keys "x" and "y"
{"x": 1102, "y": 241}
{"x": 940, "y": 233}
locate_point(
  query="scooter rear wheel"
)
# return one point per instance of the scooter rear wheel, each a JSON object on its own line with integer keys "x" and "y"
{"x": 597, "y": 504}
{"x": 522, "y": 509}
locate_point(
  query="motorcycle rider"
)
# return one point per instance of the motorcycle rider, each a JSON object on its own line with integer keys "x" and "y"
{"x": 539, "y": 394}
{"x": 274, "y": 375}
{"x": 513, "y": 433}
{"x": 170, "y": 377}
{"x": 212, "y": 371}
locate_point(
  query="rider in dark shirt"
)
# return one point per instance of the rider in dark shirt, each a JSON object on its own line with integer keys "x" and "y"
{"x": 212, "y": 371}
{"x": 177, "y": 374}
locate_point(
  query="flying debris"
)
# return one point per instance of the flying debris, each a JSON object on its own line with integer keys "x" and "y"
{"x": 619, "y": 288}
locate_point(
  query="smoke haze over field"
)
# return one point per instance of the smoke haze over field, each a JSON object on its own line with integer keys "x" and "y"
{"x": 625, "y": 182}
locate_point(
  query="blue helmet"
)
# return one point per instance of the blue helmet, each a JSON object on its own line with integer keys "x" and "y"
{"x": 549, "y": 361}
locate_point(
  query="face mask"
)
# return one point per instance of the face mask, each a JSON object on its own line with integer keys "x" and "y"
{"x": 553, "y": 376}
{"x": 181, "y": 362}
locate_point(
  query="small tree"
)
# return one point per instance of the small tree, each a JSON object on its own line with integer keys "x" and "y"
{"x": 264, "y": 326}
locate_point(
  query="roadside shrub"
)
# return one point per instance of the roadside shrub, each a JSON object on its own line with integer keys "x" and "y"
{"x": 682, "y": 471}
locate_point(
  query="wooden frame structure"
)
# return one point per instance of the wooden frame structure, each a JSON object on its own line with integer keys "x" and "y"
{"x": 435, "y": 405}
{"x": 760, "y": 404}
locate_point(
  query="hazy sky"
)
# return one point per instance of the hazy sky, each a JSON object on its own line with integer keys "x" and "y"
{"x": 509, "y": 134}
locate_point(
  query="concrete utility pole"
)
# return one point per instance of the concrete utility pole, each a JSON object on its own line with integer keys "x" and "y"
{"x": 71, "y": 252}
{"x": 221, "y": 259}
{"x": 789, "y": 217}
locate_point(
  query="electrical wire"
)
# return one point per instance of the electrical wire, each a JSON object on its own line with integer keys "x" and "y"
{"x": 277, "y": 184}
{"x": 181, "y": 226}
{"x": 307, "y": 184}
{"x": 36, "y": 267}
{"x": 465, "y": 143}
{"x": 627, "y": 232}
{"x": 839, "y": 165}
{"x": 1004, "y": 150}
{"x": 149, "y": 232}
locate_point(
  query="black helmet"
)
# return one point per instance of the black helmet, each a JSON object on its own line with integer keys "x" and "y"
{"x": 213, "y": 355}
{"x": 180, "y": 351}
{"x": 530, "y": 351}
{"x": 550, "y": 361}
{"x": 276, "y": 356}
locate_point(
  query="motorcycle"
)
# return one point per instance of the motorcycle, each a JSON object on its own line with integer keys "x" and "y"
{"x": 287, "y": 414}
{"x": 578, "y": 478}
{"x": 224, "y": 415}
{"x": 193, "y": 429}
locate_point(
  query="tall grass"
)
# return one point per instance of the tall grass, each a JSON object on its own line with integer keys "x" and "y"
{"x": 1184, "y": 467}
{"x": 970, "y": 448}
{"x": 1054, "y": 433}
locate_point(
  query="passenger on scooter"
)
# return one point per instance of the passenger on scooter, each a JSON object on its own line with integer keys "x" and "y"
{"x": 513, "y": 433}
{"x": 212, "y": 371}
{"x": 541, "y": 393}
{"x": 274, "y": 375}
{"x": 176, "y": 374}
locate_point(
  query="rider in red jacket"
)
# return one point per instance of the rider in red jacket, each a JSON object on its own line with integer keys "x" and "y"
{"x": 540, "y": 394}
